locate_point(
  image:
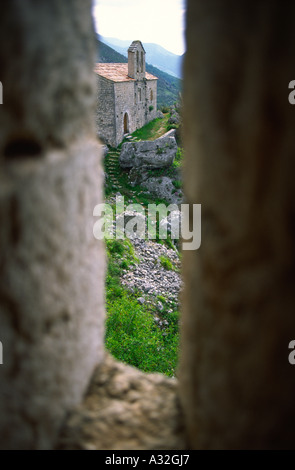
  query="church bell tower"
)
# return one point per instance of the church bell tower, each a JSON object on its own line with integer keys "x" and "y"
{"x": 136, "y": 61}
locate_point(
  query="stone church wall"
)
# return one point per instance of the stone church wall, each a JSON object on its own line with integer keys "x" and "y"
{"x": 133, "y": 98}
{"x": 124, "y": 103}
{"x": 151, "y": 100}
{"x": 105, "y": 115}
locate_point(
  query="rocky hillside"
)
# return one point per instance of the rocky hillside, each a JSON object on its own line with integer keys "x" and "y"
{"x": 151, "y": 277}
{"x": 143, "y": 282}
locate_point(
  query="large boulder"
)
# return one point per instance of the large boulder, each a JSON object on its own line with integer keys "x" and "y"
{"x": 159, "y": 115}
{"x": 158, "y": 153}
{"x": 162, "y": 187}
{"x": 174, "y": 118}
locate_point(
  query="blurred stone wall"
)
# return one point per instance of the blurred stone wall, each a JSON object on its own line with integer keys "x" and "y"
{"x": 237, "y": 386}
{"x": 51, "y": 267}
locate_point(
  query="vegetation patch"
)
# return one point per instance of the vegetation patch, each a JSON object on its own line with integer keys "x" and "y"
{"x": 120, "y": 256}
{"x": 154, "y": 129}
{"x": 177, "y": 184}
{"x": 167, "y": 264}
{"x": 132, "y": 336}
{"x": 178, "y": 159}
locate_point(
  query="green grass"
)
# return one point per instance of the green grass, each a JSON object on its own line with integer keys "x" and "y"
{"x": 177, "y": 184}
{"x": 154, "y": 129}
{"x": 167, "y": 264}
{"x": 120, "y": 255}
{"x": 133, "y": 337}
{"x": 179, "y": 158}
{"x": 116, "y": 246}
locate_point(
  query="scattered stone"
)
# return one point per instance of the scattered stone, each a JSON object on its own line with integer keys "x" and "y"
{"x": 132, "y": 223}
{"x": 159, "y": 115}
{"x": 174, "y": 119}
{"x": 149, "y": 276}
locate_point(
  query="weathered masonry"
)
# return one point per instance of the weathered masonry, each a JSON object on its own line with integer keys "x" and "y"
{"x": 127, "y": 96}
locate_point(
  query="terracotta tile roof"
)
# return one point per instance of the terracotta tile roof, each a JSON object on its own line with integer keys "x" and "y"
{"x": 117, "y": 72}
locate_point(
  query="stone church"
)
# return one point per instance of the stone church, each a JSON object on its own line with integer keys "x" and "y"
{"x": 127, "y": 96}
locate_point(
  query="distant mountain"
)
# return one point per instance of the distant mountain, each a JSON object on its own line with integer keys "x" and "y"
{"x": 155, "y": 55}
{"x": 105, "y": 54}
{"x": 168, "y": 87}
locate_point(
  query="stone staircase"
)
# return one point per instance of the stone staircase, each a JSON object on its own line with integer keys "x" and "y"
{"x": 113, "y": 168}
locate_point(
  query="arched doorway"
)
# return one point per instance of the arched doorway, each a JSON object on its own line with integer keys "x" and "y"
{"x": 126, "y": 123}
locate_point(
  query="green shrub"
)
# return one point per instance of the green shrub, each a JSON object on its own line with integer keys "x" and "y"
{"x": 115, "y": 291}
{"x": 133, "y": 337}
{"x": 161, "y": 298}
{"x": 173, "y": 245}
{"x": 115, "y": 246}
{"x": 151, "y": 108}
{"x": 177, "y": 184}
{"x": 120, "y": 255}
{"x": 178, "y": 158}
{"x": 124, "y": 264}
{"x": 166, "y": 263}
{"x": 165, "y": 109}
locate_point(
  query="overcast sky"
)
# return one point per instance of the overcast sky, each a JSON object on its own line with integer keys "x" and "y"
{"x": 157, "y": 21}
